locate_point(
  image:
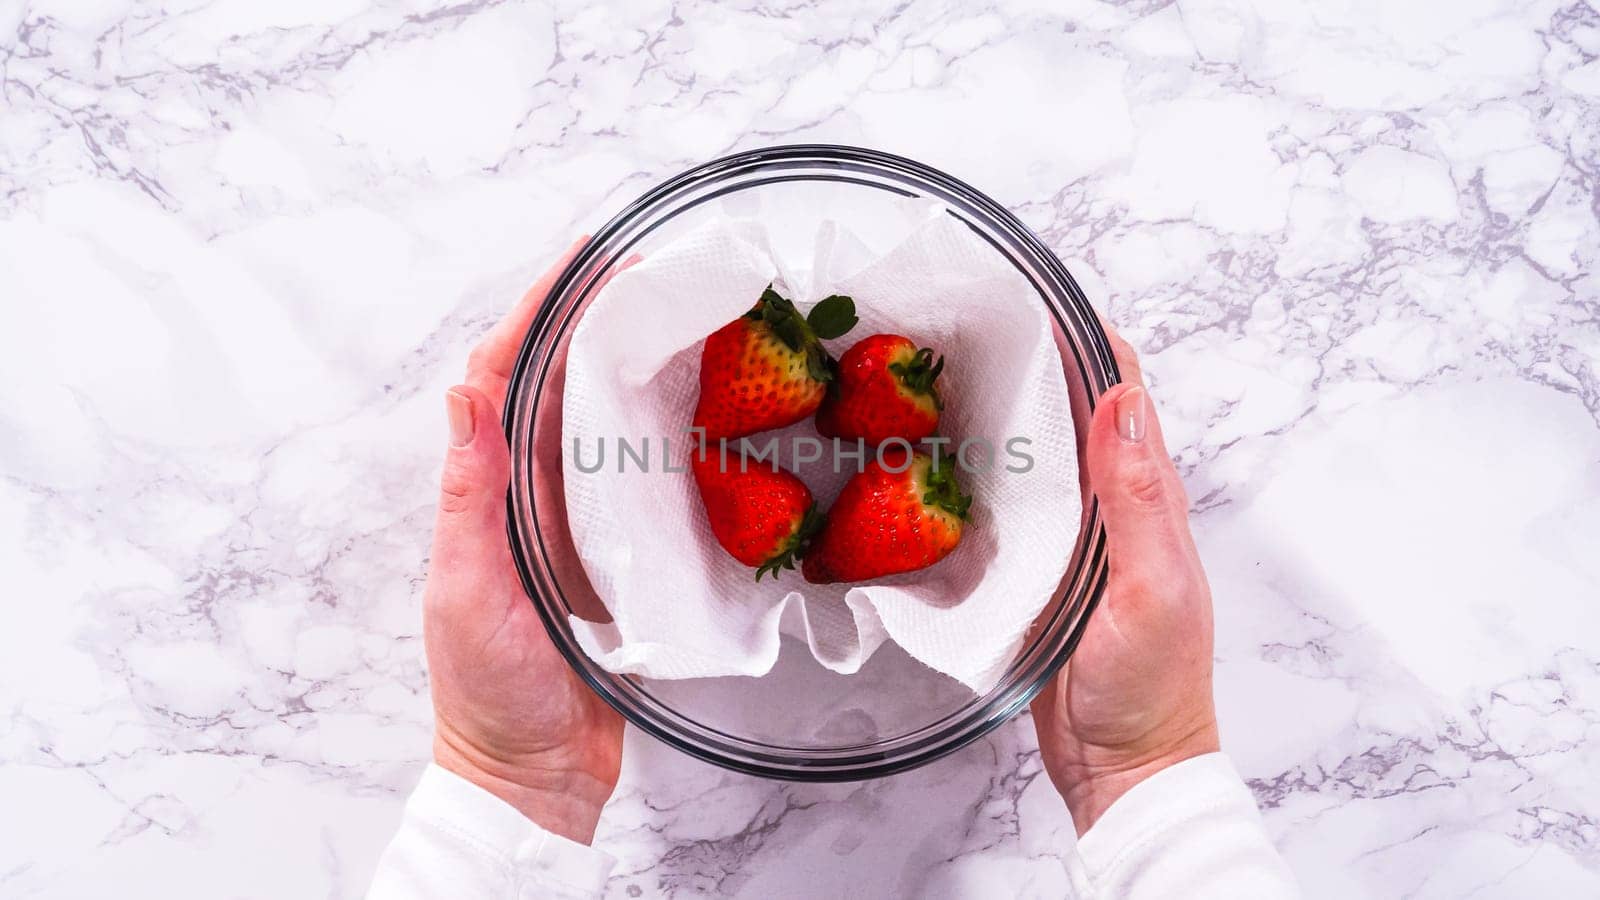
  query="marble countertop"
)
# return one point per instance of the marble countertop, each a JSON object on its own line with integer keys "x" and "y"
{"x": 245, "y": 247}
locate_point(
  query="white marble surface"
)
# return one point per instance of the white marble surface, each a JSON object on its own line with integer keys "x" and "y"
{"x": 245, "y": 246}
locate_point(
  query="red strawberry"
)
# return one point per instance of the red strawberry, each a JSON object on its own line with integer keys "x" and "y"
{"x": 888, "y": 522}
{"x": 767, "y": 369}
{"x": 763, "y": 516}
{"x": 884, "y": 390}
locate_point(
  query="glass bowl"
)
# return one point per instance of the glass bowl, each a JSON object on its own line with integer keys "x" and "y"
{"x": 800, "y": 721}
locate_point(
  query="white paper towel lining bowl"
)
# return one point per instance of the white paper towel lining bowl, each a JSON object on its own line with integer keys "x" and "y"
{"x": 834, "y": 685}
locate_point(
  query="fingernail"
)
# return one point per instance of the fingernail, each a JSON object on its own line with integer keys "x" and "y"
{"x": 1130, "y": 416}
{"x": 458, "y": 407}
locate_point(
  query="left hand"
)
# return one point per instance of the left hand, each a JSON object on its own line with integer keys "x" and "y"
{"x": 510, "y": 715}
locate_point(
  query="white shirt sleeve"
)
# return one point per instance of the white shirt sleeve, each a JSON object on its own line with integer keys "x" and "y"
{"x": 1190, "y": 831}
{"x": 457, "y": 840}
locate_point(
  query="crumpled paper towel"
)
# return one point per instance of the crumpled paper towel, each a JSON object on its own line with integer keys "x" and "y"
{"x": 681, "y": 607}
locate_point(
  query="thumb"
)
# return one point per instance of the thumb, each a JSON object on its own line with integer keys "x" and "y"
{"x": 1141, "y": 497}
{"x": 470, "y": 533}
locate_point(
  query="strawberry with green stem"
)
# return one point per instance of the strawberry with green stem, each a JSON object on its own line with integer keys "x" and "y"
{"x": 885, "y": 389}
{"x": 768, "y": 368}
{"x": 762, "y": 515}
{"x": 886, "y": 522}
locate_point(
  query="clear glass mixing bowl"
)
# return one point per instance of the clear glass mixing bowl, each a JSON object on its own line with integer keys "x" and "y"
{"x": 800, "y": 721}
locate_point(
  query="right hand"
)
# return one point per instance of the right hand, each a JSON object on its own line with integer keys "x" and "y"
{"x": 1135, "y": 697}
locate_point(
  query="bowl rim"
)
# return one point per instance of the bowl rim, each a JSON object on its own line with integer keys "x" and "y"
{"x": 978, "y": 718}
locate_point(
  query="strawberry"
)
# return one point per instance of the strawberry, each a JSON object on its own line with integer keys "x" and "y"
{"x": 887, "y": 522}
{"x": 767, "y": 368}
{"x": 763, "y": 516}
{"x": 884, "y": 389}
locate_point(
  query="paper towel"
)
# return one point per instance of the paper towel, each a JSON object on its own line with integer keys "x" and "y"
{"x": 681, "y": 606}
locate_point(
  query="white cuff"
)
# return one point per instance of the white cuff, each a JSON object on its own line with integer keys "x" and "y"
{"x": 535, "y": 858}
{"x": 1190, "y": 830}
{"x": 1188, "y": 790}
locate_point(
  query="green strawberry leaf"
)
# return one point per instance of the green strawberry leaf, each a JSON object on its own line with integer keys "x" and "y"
{"x": 943, "y": 491}
{"x": 819, "y": 365}
{"x": 791, "y": 330}
{"x": 780, "y": 315}
{"x": 774, "y": 304}
{"x": 920, "y": 373}
{"x": 832, "y": 317}
{"x": 799, "y": 542}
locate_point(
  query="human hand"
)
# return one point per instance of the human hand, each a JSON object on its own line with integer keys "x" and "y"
{"x": 1135, "y": 697}
{"x": 509, "y": 714}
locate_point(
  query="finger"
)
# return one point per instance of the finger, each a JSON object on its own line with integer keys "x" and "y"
{"x": 1127, "y": 358}
{"x": 1142, "y": 500}
{"x": 492, "y": 359}
{"x": 469, "y": 536}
